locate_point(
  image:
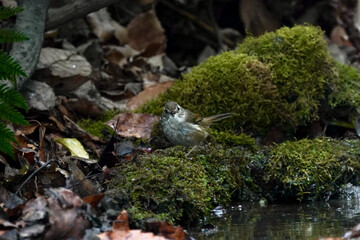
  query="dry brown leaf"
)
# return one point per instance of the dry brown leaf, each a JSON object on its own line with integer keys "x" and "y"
{"x": 59, "y": 124}
{"x": 167, "y": 230}
{"x": 63, "y": 63}
{"x": 340, "y": 37}
{"x": 65, "y": 215}
{"x": 137, "y": 125}
{"x": 25, "y": 129}
{"x": 63, "y": 85}
{"x": 101, "y": 24}
{"x": 118, "y": 55}
{"x": 84, "y": 108}
{"x": 94, "y": 200}
{"x": 120, "y": 33}
{"x": 121, "y": 231}
{"x": 147, "y": 94}
{"x": 145, "y": 31}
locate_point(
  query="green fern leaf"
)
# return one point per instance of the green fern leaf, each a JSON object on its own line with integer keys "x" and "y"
{"x": 6, "y": 136}
{"x": 6, "y": 12}
{"x": 12, "y": 97}
{"x": 9, "y": 67}
{"x": 10, "y": 114}
{"x": 9, "y": 36}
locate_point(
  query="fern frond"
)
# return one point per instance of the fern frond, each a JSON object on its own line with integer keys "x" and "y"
{"x": 8, "y": 35}
{"x": 12, "y": 97}
{"x": 10, "y": 114}
{"x": 6, "y": 136}
{"x": 9, "y": 67}
{"x": 6, "y": 12}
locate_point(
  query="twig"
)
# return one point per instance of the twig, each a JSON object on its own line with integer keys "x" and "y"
{"x": 75, "y": 9}
{"x": 32, "y": 174}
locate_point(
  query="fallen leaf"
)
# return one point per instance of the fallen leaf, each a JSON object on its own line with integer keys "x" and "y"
{"x": 121, "y": 231}
{"x": 137, "y": 125}
{"x": 63, "y": 63}
{"x": 119, "y": 55}
{"x": 101, "y": 24}
{"x": 66, "y": 215}
{"x": 74, "y": 146}
{"x": 340, "y": 37}
{"x": 120, "y": 33}
{"x": 94, "y": 200}
{"x": 80, "y": 184}
{"x": 145, "y": 30}
{"x": 167, "y": 230}
{"x": 38, "y": 95}
{"x": 25, "y": 129}
{"x": 147, "y": 94}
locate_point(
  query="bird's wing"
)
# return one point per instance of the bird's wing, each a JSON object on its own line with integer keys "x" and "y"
{"x": 193, "y": 117}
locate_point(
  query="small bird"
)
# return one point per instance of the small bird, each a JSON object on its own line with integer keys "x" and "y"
{"x": 182, "y": 127}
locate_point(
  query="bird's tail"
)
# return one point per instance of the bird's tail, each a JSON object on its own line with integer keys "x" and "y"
{"x": 206, "y": 122}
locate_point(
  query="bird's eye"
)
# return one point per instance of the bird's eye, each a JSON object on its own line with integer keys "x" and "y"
{"x": 166, "y": 111}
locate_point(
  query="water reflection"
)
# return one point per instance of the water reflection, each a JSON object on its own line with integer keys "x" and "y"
{"x": 283, "y": 221}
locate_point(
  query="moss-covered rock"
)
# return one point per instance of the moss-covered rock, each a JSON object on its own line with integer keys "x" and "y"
{"x": 300, "y": 66}
{"x": 310, "y": 169}
{"x": 231, "y": 139}
{"x": 230, "y": 82}
{"x": 168, "y": 186}
{"x": 345, "y": 88}
{"x": 277, "y": 79}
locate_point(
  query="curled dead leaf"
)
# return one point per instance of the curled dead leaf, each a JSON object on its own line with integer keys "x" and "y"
{"x": 63, "y": 63}
{"x": 147, "y": 94}
{"x": 137, "y": 125}
{"x": 101, "y": 24}
{"x": 144, "y": 31}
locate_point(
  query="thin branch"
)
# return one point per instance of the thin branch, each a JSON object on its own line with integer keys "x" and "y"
{"x": 32, "y": 174}
{"x": 75, "y": 9}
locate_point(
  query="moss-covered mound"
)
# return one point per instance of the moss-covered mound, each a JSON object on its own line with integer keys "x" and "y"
{"x": 277, "y": 79}
{"x": 310, "y": 169}
{"x": 300, "y": 66}
{"x": 344, "y": 89}
{"x": 169, "y": 186}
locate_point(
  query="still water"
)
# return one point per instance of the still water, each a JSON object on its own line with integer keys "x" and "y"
{"x": 283, "y": 221}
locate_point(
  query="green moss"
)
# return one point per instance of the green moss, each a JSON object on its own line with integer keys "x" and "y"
{"x": 277, "y": 79}
{"x": 139, "y": 216}
{"x": 232, "y": 139}
{"x": 309, "y": 169}
{"x": 345, "y": 88}
{"x": 166, "y": 184}
{"x": 96, "y": 127}
{"x": 300, "y": 66}
{"x": 169, "y": 186}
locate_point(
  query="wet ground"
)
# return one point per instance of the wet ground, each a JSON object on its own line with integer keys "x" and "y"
{"x": 282, "y": 221}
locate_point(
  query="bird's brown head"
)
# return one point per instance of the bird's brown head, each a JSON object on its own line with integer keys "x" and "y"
{"x": 171, "y": 108}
